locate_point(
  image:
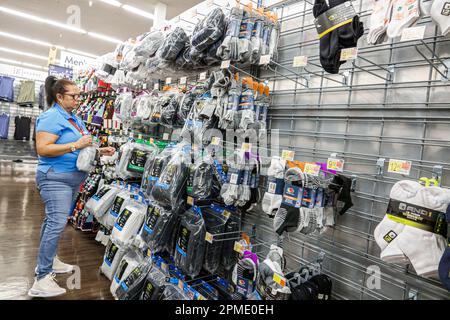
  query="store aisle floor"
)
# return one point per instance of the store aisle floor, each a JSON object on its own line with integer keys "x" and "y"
{"x": 21, "y": 214}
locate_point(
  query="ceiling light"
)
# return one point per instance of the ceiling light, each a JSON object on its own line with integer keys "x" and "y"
{"x": 22, "y": 63}
{"x": 140, "y": 12}
{"x": 45, "y": 44}
{"x": 112, "y": 2}
{"x": 26, "y": 54}
{"x": 41, "y": 20}
{"x": 103, "y": 37}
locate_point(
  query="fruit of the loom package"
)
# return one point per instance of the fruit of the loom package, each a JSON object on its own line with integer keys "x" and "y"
{"x": 332, "y": 42}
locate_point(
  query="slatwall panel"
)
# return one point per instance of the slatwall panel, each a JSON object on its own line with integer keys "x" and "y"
{"x": 367, "y": 118}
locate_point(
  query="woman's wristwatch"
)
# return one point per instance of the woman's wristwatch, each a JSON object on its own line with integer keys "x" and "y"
{"x": 73, "y": 147}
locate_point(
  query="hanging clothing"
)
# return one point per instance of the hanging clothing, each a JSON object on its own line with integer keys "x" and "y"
{"x": 6, "y": 89}
{"x": 26, "y": 93}
{"x": 42, "y": 97}
{"x": 22, "y": 131}
{"x": 4, "y": 126}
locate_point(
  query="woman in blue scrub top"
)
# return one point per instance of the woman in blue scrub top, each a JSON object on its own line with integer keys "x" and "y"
{"x": 60, "y": 135}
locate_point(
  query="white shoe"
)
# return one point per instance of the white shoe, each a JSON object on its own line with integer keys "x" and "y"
{"x": 59, "y": 267}
{"x": 46, "y": 287}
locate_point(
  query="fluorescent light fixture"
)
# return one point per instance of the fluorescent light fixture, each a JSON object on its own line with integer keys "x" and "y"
{"x": 140, "y": 12}
{"x": 45, "y": 44}
{"x": 103, "y": 37}
{"x": 22, "y": 63}
{"x": 112, "y": 2}
{"x": 41, "y": 20}
{"x": 82, "y": 53}
{"x": 21, "y": 53}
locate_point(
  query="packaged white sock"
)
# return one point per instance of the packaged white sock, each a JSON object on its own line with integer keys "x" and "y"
{"x": 379, "y": 19}
{"x": 423, "y": 248}
{"x": 440, "y": 13}
{"x": 271, "y": 203}
{"x": 404, "y": 14}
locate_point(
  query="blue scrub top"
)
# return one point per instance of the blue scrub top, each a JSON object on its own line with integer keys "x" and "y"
{"x": 56, "y": 121}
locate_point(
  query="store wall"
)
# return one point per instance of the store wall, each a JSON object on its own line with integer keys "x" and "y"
{"x": 362, "y": 121}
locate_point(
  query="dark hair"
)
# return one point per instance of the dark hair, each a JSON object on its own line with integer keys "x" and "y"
{"x": 54, "y": 86}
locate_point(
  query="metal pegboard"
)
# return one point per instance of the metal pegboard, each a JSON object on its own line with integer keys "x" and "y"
{"x": 391, "y": 102}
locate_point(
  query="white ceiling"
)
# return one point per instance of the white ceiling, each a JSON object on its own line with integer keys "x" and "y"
{"x": 101, "y": 18}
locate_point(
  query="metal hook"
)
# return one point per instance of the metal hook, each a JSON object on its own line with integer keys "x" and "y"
{"x": 444, "y": 63}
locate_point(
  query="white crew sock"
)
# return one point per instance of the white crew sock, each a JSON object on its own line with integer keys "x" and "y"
{"x": 379, "y": 20}
{"x": 271, "y": 203}
{"x": 440, "y": 13}
{"x": 404, "y": 14}
{"x": 423, "y": 248}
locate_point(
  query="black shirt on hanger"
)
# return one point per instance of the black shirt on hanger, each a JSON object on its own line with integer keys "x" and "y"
{"x": 22, "y": 130}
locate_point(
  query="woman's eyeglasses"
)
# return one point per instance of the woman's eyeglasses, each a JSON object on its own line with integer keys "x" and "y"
{"x": 74, "y": 96}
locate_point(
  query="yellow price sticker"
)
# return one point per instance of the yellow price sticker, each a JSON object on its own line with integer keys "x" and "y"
{"x": 246, "y": 146}
{"x": 399, "y": 166}
{"x": 215, "y": 141}
{"x": 200, "y": 297}
{"x": 190, "y": 201}
{"x": 300, "y": 61}
{"x": 164, "y": 267}
{"x": 349, "y": 54}
{"x": 181, "y": 284}
{"x": 312, "y": 169}
{"x": 335, "y": 164}
{"x": 226, "y": 214}
{"x": 288, "y": 155}
{"x": 279, "y": 279}
{"x": 238, "y": 247}
{"x": 209, "y": 237}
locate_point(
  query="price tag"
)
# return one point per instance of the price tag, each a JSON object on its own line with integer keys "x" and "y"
{"x": 166, "y": 136}
{"x": 238, "y": 247}
{"x": 279, "y": 279}
{"x": 215, "y": 141}
{"x": 335, "y": 164}
{"x": 413, "y": 33}
{"x": 349, "y": 54}
{"x": 300, "y": 61}
{"x": 225, "y": 64}
{"x": 399, "y": 166}
{"x": 164, "y": 267}
{"x": 312, "y": 169}
{"x": 288, "y": 155}
{"x": 200, "y": 297}
{"x": 183, "y": 80}
{"x": 202, "y": 76}
{"x": 168, "y": 80}
{"x": 234, "y": 178}
{"x": 181, "y": 284}
{"x": 209, "y": 237}
{"x": 226, "y": 214}
{"x": 246, "y": 147}
{"x": 272, "y": 187}
{"x": 190, "y": 201}
{"x": 264, "y": 59}
{"x": 156, "y": 86}
{"x": 140, "y": 136}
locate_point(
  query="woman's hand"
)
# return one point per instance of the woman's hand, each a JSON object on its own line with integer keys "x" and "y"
{"x": 83, "y": 142}
{"x": 107, "y": 151}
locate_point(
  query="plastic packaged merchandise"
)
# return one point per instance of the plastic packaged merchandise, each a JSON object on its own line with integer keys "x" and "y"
{"x": 245, "y": 273}
{"x": 203, "y": 182}
{"x": 149, "y": 44}
{"x": 229, "y": 49}
{"x": 190, "y": 245}
{"x": 153, "y": 169}
{"x": 171, "y": 185}
{"x": 128, "y": 263}
{"x": 122, "y": 199}
{"x": 169, "y": 107}
{"x": 86, "y": 160}
{"x": 100, "y": 202}
{"x": 132, "y": 286}
{"x": 245, "y": 34}
{"x": 133, "y": 156}
{"x": 129, "y": 222}
{"x": 173, "y": 44}
{"x": 111, "y": 259}
{"x": 154, "y": 285}
{"x": 160, "y": 226}
{"x": 208, "y": 31}
{"x": 173, "y": 292}
{"x": 122, "y": 105}
{"x": 185, "y": 106}
{"x": 215, "y": 224}
{"x": 229, "y": 255}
